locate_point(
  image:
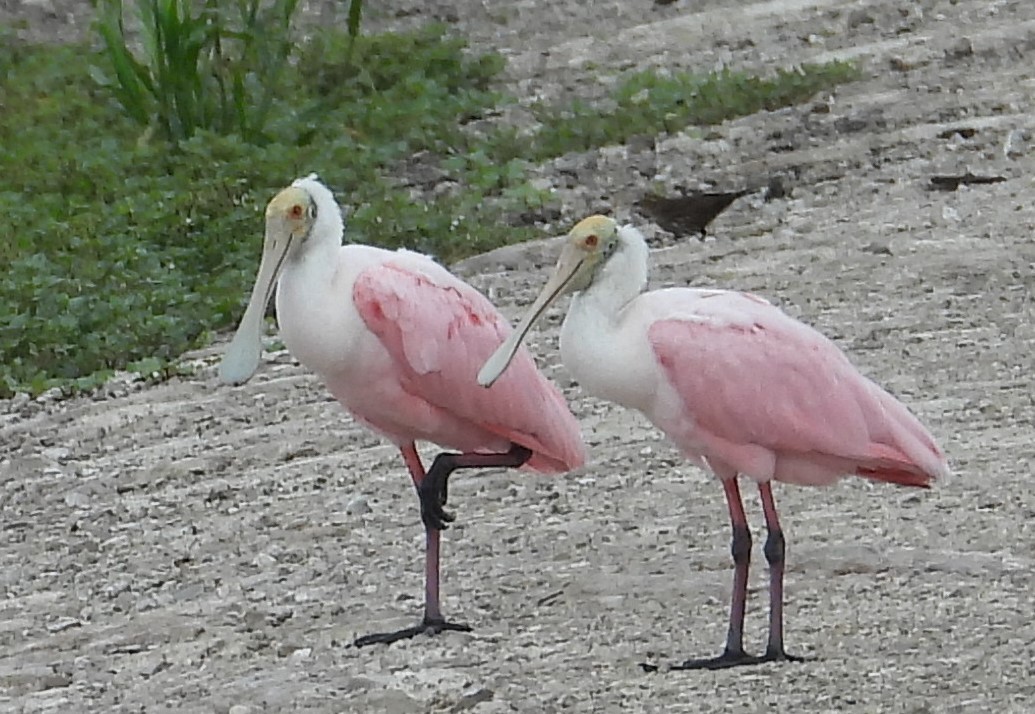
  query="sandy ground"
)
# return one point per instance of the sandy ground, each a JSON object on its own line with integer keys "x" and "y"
{"x": 197, "y": 548}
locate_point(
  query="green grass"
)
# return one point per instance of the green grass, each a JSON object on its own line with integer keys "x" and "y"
{"x": 648, "y": 103}
{"x": 216, "y": 66}
{"x": 123, "y": 250}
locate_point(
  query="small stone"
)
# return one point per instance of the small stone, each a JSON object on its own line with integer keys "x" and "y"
{"x": 961, "y": 49}
{"x": 64, "y": 623}
{"x": 254, "y": 619}
{"x": 878, "y": 248}
{"x": 860, "y": 17}
{"x": 56, "y": 453}
{"x": 264, "y": 561}
{"x": 900, "y": 64}
{"x": 472, "y": 698}
{"x": 446, "y": 188}
{"x": 56, "y": 680}
{"x": 358, "y": 506}
{"x": 51, "y": 395}
{"x": 1014, "y": 146}
{"x": 77, "y": 499}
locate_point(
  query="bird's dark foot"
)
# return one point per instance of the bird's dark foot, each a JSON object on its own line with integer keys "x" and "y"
{"x": 432, "y": 492}
{"x": 426, "y": 627}
{"x": 781, "y": 656}
{"x": 729, "y": 658}
{"x": 737, "y": 658}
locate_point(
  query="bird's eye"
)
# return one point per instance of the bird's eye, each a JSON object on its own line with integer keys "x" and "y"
{"x": 296, "y": 211}
{"x": 591, "y": 241}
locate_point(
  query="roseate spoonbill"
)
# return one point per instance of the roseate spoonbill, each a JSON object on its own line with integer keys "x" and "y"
{"x": 739, "y": 386}
{"x": 397, "y": 339}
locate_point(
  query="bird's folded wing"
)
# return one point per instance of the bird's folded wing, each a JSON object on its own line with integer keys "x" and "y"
{"x": 440, "y": 331}
{"x": 773, "y": 382}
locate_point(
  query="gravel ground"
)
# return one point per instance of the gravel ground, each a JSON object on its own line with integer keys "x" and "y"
{"x": 197, "y": 548}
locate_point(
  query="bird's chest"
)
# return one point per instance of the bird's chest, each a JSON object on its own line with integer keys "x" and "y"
{"x": 320, "y": 333}
{"x": 608, "y": 359}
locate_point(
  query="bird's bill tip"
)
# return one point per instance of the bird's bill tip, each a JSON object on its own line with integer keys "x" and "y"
{"x": 241, "y": 358}
{"x": 567, "y": 267}
{"x": 495, "y": 366}
{"x": 242, "y": 355}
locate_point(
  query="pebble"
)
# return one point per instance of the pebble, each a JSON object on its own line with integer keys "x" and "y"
{"x": 358, "y": 506}
{"x": 77, "y": 499}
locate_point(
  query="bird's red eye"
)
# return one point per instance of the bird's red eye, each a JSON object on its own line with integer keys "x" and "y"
{"x": 591, "y": 241}
{"x": 296, "y": 211}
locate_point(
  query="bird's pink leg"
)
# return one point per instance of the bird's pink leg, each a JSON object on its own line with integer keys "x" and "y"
{"x": 433, "y": 622}
{"x": 431, "y": 488}
{"x": 734, "y": 653}
{"x": 741, "y": 551}
{"x": 774, "y": 554}
{"x": 432, "y": 540}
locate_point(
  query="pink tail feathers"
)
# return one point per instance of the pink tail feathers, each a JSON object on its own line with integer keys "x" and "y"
{"x": 902, "y": 477}
{"x": 545, "y": 462}
{"x": 893, "y": 466}
{"x": 558, "y": 447}
{"x": 913, "y": 458}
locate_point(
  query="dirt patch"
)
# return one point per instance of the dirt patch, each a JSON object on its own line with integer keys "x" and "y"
{"x": 192, "y": 547}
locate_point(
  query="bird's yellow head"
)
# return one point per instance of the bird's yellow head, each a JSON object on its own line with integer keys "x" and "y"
{"x": 590, "y": 232}
{"x": 290, "y": 215}
{"x": 590, "y": 243}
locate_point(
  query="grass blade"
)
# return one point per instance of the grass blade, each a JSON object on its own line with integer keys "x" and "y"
{"x": 352, "y": 24}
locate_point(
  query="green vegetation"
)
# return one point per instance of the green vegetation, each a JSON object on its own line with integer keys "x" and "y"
{"x": 217, "y": 68}
{"x": 649, "y": 103}
{"x": 134, "y": 198}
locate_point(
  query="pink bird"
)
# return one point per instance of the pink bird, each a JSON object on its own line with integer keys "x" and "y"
{"x": 397, "y": 340}
{"x": 739, "y": 386}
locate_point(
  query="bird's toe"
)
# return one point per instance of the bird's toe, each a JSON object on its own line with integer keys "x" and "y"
{"x": 434, "y": 627}
{"x": 427, "y": 626}
{"x": 779, "y": 655}
{"x": 737, "y": 658}
{"x": 729, "y": 658}
{"x": 437, "y": 517}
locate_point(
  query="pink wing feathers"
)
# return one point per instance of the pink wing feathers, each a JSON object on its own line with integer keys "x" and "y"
{"x": 439, "y": 335}
{"x": 772, "y": 398}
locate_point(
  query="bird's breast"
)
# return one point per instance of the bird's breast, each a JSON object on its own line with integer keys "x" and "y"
{"x": 611, "y": 359}
{"x": 320, "y": 327}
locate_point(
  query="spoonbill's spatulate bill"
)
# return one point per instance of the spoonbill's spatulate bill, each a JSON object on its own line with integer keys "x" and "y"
{"x": 739, "y": 386}
{"x": 398, "y": 341}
